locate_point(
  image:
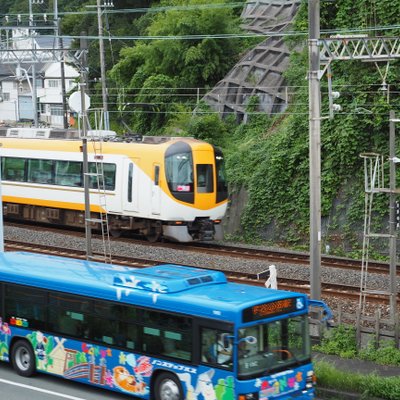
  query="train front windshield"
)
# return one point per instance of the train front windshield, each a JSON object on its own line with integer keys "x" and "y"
{"x": 273, "y": 347}
{"x": 179, "y": 171}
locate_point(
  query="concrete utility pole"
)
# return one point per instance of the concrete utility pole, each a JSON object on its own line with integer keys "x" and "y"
{"x": 34, "y": 87}
{"x": 59, "y": 42}
{"x": 314, "y": 148}
{"x": 392, "y": 215}
{"x": 88, "y": 229}
{"x": 102, "y": 66}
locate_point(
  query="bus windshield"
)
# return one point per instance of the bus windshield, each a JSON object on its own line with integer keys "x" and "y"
{"x": 273, "y": 346}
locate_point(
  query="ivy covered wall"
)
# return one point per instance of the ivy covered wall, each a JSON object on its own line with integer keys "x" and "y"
{"x": 269, "y": 156}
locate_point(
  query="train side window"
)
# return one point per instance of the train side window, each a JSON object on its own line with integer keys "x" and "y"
{"x": 156, "y": 175}
{"x": 41, "y": 171}
{"x": 205, "y": 181}
{"x": 130, "y": 182}
{"x": 68, "y": 173}
{"x": 13, "y": 169}
{"x": 103, "y": 169}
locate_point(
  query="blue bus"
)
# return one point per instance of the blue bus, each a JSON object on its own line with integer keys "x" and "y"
{"x": 166, "y": 332}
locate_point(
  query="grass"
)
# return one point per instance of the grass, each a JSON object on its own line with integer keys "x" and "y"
{"x": 368, "y": 386}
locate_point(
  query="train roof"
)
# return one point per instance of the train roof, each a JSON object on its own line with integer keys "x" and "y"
{"x": 115, "y": 145}
{"x": 76, "y": 135}
{"x": 189, "y": 290}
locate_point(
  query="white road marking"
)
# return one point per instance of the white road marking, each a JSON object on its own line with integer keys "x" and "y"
{"x": 65, "y": 396}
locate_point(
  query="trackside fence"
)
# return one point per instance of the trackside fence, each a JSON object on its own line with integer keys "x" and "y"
{"x": 368, "y": 327}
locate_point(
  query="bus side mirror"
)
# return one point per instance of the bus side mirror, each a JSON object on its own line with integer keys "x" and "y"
{"x": 249, "y": 340}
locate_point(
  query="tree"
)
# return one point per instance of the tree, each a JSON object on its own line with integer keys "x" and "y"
{"x": 187, "y": 62}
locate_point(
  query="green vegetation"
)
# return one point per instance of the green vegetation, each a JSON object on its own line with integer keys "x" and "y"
{"x": 271, "y": 161}
{"x": 163, "y": 66}
{"x": 341, "y": 341}
{"x": 368, "y": 386}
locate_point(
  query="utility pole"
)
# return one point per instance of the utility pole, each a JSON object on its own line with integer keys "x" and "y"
{"x": 392, "y": 215}
{"x": 88, "y": 229}
{"x": 314, "y": 148}
{"x": 103, "y": 64}
{"x": 59, "y": 42}
{"x": 34, "y": 87}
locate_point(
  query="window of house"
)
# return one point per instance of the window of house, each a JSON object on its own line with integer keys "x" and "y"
{"x": 53, "y": 83}
{"x": 56, "y": 110}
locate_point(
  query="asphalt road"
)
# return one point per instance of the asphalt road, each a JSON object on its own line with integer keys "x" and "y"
{"x": 46, "y": 387}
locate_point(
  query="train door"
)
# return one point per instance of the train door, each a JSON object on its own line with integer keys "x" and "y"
{"x": 130, "y": 193}
{"x": 205, "y": 186}
{"x": 156, "y": 191}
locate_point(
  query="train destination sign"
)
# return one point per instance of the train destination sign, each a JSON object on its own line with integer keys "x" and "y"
{"x": 278, "y": 307}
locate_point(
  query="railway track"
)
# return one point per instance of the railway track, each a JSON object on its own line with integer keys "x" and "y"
{"x": 328, "y": 289}
{"x": 284, "y": 256}
{"x": 270, "y": 255}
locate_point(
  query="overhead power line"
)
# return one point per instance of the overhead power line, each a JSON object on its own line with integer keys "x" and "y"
{"x": 142, "y": 10}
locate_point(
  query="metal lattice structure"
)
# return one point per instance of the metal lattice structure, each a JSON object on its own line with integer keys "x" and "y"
{"x": 359, "y": 48}
{"x": 260, "y": 71}
{"x": 39, "y": 56}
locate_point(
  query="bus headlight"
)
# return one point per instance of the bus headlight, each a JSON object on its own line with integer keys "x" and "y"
{"x": 311, "y": 380}
{"x": 248, "y": 396}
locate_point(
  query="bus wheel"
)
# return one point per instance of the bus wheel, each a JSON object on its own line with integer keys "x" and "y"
{"x": 23, "y": 358}
{"x": 167, "y": 387}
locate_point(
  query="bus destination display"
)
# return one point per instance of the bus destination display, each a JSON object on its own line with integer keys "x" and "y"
{"x": 265, "y": 310}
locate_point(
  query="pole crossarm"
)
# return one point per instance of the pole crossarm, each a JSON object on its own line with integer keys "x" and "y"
{"x": 14, "y": 56}
{"x": 359, "y": 48}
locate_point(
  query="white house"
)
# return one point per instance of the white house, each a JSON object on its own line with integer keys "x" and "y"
{"x": 16, "y": 86}
{"x": 50, "y": 94}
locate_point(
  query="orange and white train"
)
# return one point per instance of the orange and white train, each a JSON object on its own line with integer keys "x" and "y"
{"x": 171, "y": 188}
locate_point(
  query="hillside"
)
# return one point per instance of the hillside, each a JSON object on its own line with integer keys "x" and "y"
{"x": 273, "y": 164}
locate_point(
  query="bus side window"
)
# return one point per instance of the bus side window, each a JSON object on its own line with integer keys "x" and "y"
{"x": 29, "y": 305}
{"x": 208, "y": 339}
{"x": 152, "y": 342}
{"x": 216, "y": 347}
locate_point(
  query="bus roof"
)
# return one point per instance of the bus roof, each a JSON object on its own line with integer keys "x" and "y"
{"x": 194, "y": 291}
